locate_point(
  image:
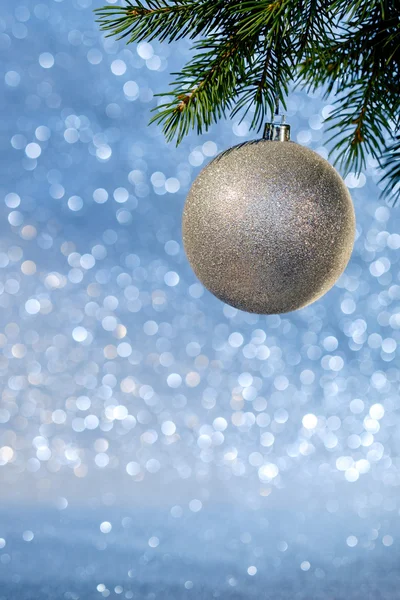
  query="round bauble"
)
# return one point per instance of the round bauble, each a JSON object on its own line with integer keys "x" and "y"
{"x": 268, "y": 226}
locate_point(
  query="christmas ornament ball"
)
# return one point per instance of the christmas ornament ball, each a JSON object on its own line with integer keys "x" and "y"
{"x": 268, "y": 226}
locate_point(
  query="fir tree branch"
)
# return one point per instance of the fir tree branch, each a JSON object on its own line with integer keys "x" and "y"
{"x": 204, "y": 89}
{"x": 166, "y": 21}
{"x": 390, "y": 163}
{"x": 251, "y": 50}
{"x": 362, "y": 76}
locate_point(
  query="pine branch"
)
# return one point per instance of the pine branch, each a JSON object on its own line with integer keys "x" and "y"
{"x": 363, "y": 78}
{"x": 167, "y": 21}
{"x": 204, "y": 89}
{"x": 390, "y": 163}
{"x": 266, "y": 78}
{"x": 247, "y": 52}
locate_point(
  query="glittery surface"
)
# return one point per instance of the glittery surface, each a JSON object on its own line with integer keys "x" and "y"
{"x": 268, "y": 227}
{"x": 156, "y": 443}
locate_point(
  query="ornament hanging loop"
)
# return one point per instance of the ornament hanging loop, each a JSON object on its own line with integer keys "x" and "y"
{"x": 277, "y": 106}
{"x": 278, "y": 130}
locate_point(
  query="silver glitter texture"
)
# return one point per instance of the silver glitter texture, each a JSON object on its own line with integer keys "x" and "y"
{"x": 268, "y": 227}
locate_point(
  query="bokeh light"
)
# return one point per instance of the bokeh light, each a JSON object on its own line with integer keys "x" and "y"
{"x": 154, "y": 441}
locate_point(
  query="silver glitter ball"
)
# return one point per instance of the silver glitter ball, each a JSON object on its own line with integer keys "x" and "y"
{"x": 268, "y": 227}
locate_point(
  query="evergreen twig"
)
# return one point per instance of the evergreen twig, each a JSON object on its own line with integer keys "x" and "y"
{"x": 246, "y": 53}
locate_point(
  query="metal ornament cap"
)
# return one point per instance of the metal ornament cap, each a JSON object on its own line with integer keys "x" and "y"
{"x": 277, "y": 132}
{"x": 268, "y": 227}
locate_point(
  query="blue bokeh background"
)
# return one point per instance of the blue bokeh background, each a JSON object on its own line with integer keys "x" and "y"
{"x": 155, "y": 442}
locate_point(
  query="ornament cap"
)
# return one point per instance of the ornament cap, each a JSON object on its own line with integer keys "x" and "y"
{"x": 277, "y": 132}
